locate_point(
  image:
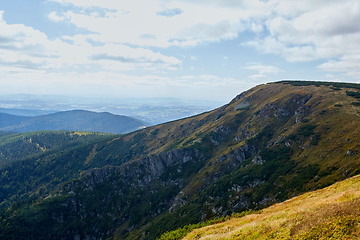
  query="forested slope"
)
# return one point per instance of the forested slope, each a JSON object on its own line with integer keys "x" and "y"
{"x": 25, "y": 168}
{"x": 268, "y": 144}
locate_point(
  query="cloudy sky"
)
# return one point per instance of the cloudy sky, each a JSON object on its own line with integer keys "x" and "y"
{"x": 193, "y": 49}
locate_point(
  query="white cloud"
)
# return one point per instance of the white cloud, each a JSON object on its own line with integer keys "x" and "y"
{"x": 330, "y": 76}
{"x": 263, "y": 71}
{"x": 184, "y": 26}
{"x": 25, "y": 47}
{"x": 258, "y": 77}
{"x": 348, "y": 64}
{"x": 299, "y": 31}
{"x": 53, "y": 16}
{"x": 218, "y": 81}
{"x": 133, "y": 35}
{"x": 309, "y": 30}
{"x": 121, "y": 85}
{"x": 170, "y": 12}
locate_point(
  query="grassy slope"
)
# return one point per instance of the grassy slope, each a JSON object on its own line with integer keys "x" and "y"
{"x": 338, "y": 123}
{"x": 337, "y": 128}
{"x": 329, "y": 213}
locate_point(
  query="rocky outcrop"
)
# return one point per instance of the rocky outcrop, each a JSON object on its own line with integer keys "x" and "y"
{"x": 294, "y": 106}
{"x": 241, "y": 96}
{"x": 98, "y": 175}
{"x": 142, "y": 171}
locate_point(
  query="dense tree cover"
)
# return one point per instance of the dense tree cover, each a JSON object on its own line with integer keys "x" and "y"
{"x": 28, "y": 166}
{"x": 19, "y": 146}
{"x": 86, "y": 211}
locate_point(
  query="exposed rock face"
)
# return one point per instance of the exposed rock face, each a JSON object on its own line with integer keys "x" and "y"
{"x": 144, "y": 175}
{"x": 256, "y": 183}
{"x": 98, "y": 175}
{"x": 294, "y": 106}
{"x": 257, "y": 160}
{"x": 157, "y": 164}
{"x": 145, "y": 169}
{"x": 240, "y": 96}
{"x": 241, "y": 105}
{"x": 241, "y": 153}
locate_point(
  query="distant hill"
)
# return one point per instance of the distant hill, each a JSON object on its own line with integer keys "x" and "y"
{"x": 269, "y": 144}
{"x": 2, "y": 133}
{"x": 151, "y": 110}
{"x": 25, "y": 112}
{"x": 76, "y": 120}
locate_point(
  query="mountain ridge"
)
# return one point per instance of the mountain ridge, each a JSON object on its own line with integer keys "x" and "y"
{"x": 80, "y": 120}
{"x": 267, "y": 145}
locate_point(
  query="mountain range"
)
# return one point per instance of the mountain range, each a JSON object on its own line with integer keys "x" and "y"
{"x": 269, "y": 144}
{"x": 71, "y": 120}
{"x": 151, "y": 110}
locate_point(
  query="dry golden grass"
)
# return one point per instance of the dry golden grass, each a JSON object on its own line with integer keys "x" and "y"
{"x": 330, "y": 213}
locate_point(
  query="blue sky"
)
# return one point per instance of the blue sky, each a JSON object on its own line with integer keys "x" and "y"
{"x": 204, "y": 49}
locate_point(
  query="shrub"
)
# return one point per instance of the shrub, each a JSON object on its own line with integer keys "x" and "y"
{"x": 306, "y": 130}
{"x": 154, "y": 132}
{"x": 353, "y": 94}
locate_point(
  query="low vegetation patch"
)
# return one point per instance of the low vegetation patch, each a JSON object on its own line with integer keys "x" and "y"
{"x": 330, "y": 213}
{"x": 182, "y": 232}
{"x": 336, "y": 88}
{"x": 353, "y": 94}
{"x": 306, "y": 130}
{"x": 335, "y": 85}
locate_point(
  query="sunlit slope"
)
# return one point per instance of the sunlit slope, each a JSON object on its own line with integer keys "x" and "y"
{"x": 329, "y": 213}
{"x": 270, "y": 143}
{"x": 319, "y": 125}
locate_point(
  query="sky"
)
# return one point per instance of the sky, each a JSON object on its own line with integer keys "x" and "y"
{"x": 188, "y": 49}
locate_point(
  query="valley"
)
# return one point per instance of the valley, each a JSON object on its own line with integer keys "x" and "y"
{"x": 269, "y": 144}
